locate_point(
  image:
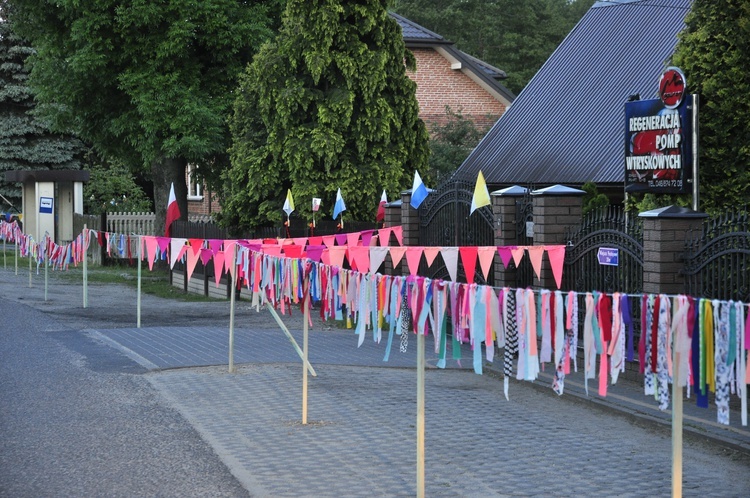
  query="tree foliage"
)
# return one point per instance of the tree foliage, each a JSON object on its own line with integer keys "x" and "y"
{"x": 327, "y": 105}
{"x": 714, "y": 53}
{"x": 150, "y": 83}
{"x": 515, "y": 36}
{"x": 26, "y": 143}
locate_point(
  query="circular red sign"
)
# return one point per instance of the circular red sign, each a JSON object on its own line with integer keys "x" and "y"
{"x": 672, "y": 85}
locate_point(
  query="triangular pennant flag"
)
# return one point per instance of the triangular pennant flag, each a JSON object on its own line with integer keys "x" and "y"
{"x": 430, "y": 253}
{"x": 486, "y": 255}
{"x": 399, "y": 233}
{"x": 218, "y": 266}
{"x": 293, "y": 251}
{"x": 215, "y": 245}
{"x": 361, "y": 256}
{"x": 325, "y": 256}
{"x": 206, "y": 255}
{"x": 481, "y": 194}
{"x": 367, "y": 237}
{"x": 505, "y": 255}
{"x": 270, "y": 241}
{"x": 300, "y": 241}
{"x": 229, "y": 248}
{"x": 289, "y": 203}
{"x": 315, "y": 252}
{"x": 271, "y": 249}
{"x": 163, "y": 243}
{"x": 377, "y": 256}
{"x": 176, "y": 249}
{"x": 556, "y": 255}
{"x": 329, "y": 241}
{"x": 351, "y": 260}
{"x": 151, "y": 247}
{"x": 384, "y": 234}
{"x": 397, "y": 253}
{"x": 337, "y": 255}
{"x": 315, "y": 241}
{"x": 450, "y": 256}
{"x": 469, "y": 260}
{"x": 352, "y": 239}
{"x": 196, "y": 245}
{"x": 517, "y": 253}
{"x": 192, "y": 260}
{"x": 341, "y": 239}
{"x": 413, "y": 255}
{"x": 535, "y": 255}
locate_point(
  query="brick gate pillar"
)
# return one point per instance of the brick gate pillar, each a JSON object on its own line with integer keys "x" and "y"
{"x": 504, "y": 211}
{"x": 556, "y": 208}
{"x": 664, "y": 233}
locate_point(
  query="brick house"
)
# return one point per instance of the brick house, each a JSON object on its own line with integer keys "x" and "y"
{"x": 445, "y": 76}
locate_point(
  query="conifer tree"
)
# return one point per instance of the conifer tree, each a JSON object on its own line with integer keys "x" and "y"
{"x": 326, "y": 105}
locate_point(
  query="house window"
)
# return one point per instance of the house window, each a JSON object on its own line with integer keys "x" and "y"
{"x": 195, "y": 186}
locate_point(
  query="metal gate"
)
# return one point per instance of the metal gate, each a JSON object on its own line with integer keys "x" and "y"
{"x": 444, "y": 221}
{"x": 524, "y": 225}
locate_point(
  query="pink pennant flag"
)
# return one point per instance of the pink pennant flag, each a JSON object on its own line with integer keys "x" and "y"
{"x": 340, "y": 239}
{"x": 337, "y": 255}
{"x": 206, "y": 255}
{"x": 300, "y": 241}
{"x": 450, "y": 256}
{"x": 556, "y": 255}
{"x": 351, "y": 260}
{"x": 286, "y": 242}
{"x": 315, "y": 241}
{"x": 367, "y": 237}
{"x": 192, "y": 260}
{"x": 397, "y": 253}
{"x": 196, "y": 245}
{"x": 361, "y": 255}
{"x": 315, "y": 252}
{"x": 535, "y": 255}
{"x": 325, "y": 256}
{"x": 469, "y": 260}
{"x": 229, "y": 249}
{"x": 399, "y": 233}
{"x": 413, "y": 255}
{"x": 270, "y": 241}
{"x": 176, "y": 249}
{"x": 505, "y": 255}
{"x": 385, "y": 236}
{"x": 352, "y": 239}
{"x": 215, "y": 245}
{"x": 329, "y": 241}
{"x": 486, "y": 255}
{"x": 430, "y": 253}
{"x": 163, "y": 243}
{"x": 293, "y": 251}
{"x": 151, "y": 248}
{"x": 271, "y": 249}
{"x": 517, "y": 253}
{"x": 218, "y": 266}
{"x": 377, "y": 256}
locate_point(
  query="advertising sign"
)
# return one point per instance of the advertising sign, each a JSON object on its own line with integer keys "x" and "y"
{"x": 658, "y": 136}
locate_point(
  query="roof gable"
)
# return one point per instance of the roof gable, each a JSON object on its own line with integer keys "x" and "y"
{"x": 567, "y": 125}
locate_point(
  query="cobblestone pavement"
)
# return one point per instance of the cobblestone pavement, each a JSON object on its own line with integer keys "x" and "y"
{"x": 360, "y": 439}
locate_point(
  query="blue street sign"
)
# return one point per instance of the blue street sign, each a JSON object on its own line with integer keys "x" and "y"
{"x": 608, "y": 256}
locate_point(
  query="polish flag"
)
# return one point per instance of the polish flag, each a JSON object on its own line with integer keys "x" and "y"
{"x": 173, "y": 211}
{"x": 381, "y": 207}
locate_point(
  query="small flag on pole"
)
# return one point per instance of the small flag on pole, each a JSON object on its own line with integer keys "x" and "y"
{"x": 418, "y": 191}
{"x": 289, "y": 203}
{"x": 381, "y": 207}
{"x": 315, "y": 204}
{"x": 173, "y": 212}
{"x": 481, "y": 194}
{"x": 339, "y": 207}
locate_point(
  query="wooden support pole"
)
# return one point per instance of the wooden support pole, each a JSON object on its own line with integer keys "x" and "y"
{"x": 420, "y": 413}
{"x": 230, "y": 277}
{"x": 676, "y": 425}
{"x": 46, "y": 268}
{"x": 139, "y": 254}
{"x": 85, "y": 268}
{"x": 305, "y": 330}
{"x": 289, "y": 336}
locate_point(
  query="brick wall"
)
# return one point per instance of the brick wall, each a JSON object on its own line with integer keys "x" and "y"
{"x": 438, "y": 85}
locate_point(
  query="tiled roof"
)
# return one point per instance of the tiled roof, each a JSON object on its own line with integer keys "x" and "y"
{"x": 568, "y": 123}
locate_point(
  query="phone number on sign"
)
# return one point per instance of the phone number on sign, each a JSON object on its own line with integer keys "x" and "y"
{"x": 665, "y": 183}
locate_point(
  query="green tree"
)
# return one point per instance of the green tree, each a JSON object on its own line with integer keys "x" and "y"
{"x": 26, "y": 143}
{"x": 450, "y": 144}
{"x": 327, "y": 105}
{"x": 514, "y": 36}
{"x": 714, "y": 52}
{"x": 112, "y": 188}
{"x": 150, "y": 83}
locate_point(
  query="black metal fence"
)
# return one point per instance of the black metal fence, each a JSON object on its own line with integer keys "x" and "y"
{"x": 717, "y": 258}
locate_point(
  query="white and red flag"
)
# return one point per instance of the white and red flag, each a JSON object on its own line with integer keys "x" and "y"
{"x": 173, "y": 211}
{"x": 381, "y": 207}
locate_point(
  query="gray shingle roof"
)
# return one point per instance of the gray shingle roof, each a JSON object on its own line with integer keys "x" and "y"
{"x": 568, "y": 123}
